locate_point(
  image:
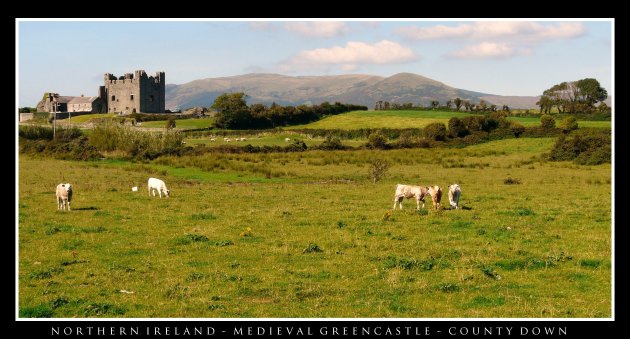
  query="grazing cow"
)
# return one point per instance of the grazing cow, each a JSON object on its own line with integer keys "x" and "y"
{"x": 408, "y": 191}
{"x": 454, "y": 192}
{"x": 64, "y": 196}
{"x": 287, "y": 139}
{"x": 436, "y": 195}
{"x": 213, "y": 139}
{"x": 159, "y": 186}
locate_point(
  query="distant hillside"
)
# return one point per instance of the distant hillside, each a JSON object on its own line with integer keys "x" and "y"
{"x": 351, "y": 88}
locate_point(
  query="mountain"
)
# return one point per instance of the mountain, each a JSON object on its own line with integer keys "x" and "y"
{"x": 357, "y": 89}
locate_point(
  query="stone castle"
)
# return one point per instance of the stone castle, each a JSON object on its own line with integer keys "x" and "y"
{"x": 132, "y": 93}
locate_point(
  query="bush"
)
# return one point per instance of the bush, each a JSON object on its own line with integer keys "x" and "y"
{"x": 457, "y": 128}
{"x": 546, "y": 121}
{"x": 377, "y": 140}
{"x": 297, "y": 146}
{"x": 517, "y": 129}
{"x": 435, "y": 131}
{"x": 568, "y": 124}
{"x": 584, "y": 148}
{"x": 115, "y": 137}
{"x": 377, "y": 170}
{"x": 33, "y": 132}
{"x": 330, "y": 143}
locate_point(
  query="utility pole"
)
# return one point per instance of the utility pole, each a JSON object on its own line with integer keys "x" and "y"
{"x": 56, "y": 105}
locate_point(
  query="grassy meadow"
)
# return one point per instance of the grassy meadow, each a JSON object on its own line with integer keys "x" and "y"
{"x": 306, "y": 234}
{"x": 411, "y": 119}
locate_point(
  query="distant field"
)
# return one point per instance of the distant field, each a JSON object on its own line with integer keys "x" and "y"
{"x": 307, "y": 235}
{"x": 266, "y": 139}
{"x": 533, "y": 121}
{"x": 181, "y": 124}
{"x": 87, "y": 117}
{"x": 383, "y": 119}
{"x": 411, "y": 119}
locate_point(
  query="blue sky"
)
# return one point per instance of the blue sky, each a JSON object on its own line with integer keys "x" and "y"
{"x": 504, "y": 57}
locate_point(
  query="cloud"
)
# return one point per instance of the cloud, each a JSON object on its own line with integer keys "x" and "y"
{"x": 484, "y": 30}
{"x": 317, "y": 29}
{"x": 350, "y": 56}
{"x": 485, "y": 50}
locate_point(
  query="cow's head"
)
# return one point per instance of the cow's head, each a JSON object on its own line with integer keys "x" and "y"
{"x": 168, "y": 193}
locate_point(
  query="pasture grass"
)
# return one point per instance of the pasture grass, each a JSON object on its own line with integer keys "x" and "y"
{"x": 307, "y": 234}
{"x": 181, "y": 123}
{"x": 412, "y": 119}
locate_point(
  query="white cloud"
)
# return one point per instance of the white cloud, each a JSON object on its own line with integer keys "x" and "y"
{"x": 350, "y": 56}
{"x": 485, "y": 50}
{"x": 524, "y": 30}
{"x": 317, "y": 29}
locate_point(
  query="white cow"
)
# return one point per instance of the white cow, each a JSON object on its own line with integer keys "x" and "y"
{"x": 64, "y": 196}
{"x": 287, "y": 139}
{"x": 159, "y": 186}
{"x": 408, "y": 191}
{"x": 454, "y": 192}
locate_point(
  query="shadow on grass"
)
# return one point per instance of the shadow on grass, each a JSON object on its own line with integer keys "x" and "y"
{"x": 89, "y": 208}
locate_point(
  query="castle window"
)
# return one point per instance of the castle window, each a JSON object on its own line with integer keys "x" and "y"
{"x": 131, "y": 97}
{"x": 151, "y": 98}
{"x": 113, "y": 98}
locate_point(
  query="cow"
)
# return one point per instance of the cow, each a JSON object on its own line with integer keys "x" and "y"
{"x": 287, "y": 139}
{"x": 408, "y": 191}
{"x": 454, "y": 192}
{"x": 159, "y": 186}
{"x": 64, "y": 196}
{"x": 436, "y": 195}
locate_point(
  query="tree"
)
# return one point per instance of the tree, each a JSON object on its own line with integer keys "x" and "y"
{"x": 448, "y": 104}
{"x": 435, "y": 104}
{"x": 545, "y": 103}
{"x": 385, "y": 105}
{"x": 468, "y": 105}
{"x": 232, "y": 110}
{"x": 590, "y": 92}
{"x": 377, "y": 170}
{"x": 574, "y": 96}
{"x": 458, "y": 103}
{"x": 482, "y": 106}
{"x": 493, "y": 107}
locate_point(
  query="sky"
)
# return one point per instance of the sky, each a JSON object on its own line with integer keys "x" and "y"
{"x": 503, "y": 57}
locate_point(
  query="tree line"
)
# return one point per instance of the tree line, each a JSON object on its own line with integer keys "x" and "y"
{"x": 234, "y": 113}
{"x": 450, "y": 105}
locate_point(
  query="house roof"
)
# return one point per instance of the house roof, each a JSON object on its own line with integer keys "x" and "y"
{"x": 82, "y": 100}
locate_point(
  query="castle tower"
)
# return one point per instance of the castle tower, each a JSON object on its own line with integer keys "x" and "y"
{"x": 135, "y": 92}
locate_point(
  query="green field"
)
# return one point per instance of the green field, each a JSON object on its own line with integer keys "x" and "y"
{"x": 80, "y": 119}
{"x": 269, "y": 139}
{"x": 306, "y": 234}
{"x": 181, "y": 124}
{"x": 532, "y": 121}
{"x": 410, "y": 119}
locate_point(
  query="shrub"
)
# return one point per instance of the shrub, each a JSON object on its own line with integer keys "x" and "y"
{"x": 517, "y": 129}
{"x": 435, "y": 131}
{"x": 568, "y": 124}
{"x": 330, "y": 143}
{"x": 511, "y": 181}
{"x": 546, "y": 121}
{"x": 170, "y": 123}
{"x": 377, "y": 140}
{"x": 457, "y": 128}
{"x": 583, "y": 148}
{"x": 377, "y": 170}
